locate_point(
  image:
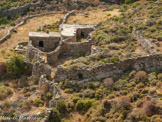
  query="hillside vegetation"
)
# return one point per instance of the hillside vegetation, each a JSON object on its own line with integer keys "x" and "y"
{"x": 114, "y": 39}
{"x": 136, "y": 96}
{"x": 7, "y": 4}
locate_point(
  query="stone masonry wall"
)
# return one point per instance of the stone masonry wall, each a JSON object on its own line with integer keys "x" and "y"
{"x": 114, "y": 70}
{"x": 145, "y": 43}
{"x": 49, "y": 43}
{"x": 40, "y": 69}
{"x": 33, "y": 53}
{"x": 74, "y": 48}
{"x": 20, "y": 10}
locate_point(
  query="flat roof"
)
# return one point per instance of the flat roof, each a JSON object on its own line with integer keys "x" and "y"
{"x": 70, "y": 29}
{"x": 44, "y": 34}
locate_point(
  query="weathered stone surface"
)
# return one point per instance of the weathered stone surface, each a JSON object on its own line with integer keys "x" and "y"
{"x": 40, "y": 69}
{"x": 19, "y": 10}
{"x": 145, "y": 43}
{"x": 114, "y": 70}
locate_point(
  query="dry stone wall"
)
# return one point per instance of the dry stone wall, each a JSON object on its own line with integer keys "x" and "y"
{"x": 24, "y": 20}
{"x": 114, "y": 70}
{"x": 20, "y": 10}
{"x": 40, "y": 69}
{"x": 145, "y": 43}
{"x": 33, "y": 53}
{"x": 49, "y": 43}
{"x": 67, "y": 16}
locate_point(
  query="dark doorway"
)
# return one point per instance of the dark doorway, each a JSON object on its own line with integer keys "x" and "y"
{"x": 80, "y": 76}
{"x": 82, "y": 34}
{"x": 41, "y": 44}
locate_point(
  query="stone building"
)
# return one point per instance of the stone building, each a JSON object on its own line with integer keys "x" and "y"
{"x": 64, "y": 43}
{"x": 46, "y": 42}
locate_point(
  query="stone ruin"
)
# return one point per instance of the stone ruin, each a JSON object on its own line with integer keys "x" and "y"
{"x": 48, "y": 47}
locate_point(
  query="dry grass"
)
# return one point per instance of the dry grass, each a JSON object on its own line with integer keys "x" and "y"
{"x": 3, "y": 32}
{"x": 23, "y": 31}
{"x": 94, "y": 16}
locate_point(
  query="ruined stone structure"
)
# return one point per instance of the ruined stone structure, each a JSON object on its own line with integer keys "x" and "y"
{"x": 47, "y": 48}
{"x": 145, "y": 43}
{"x": 114, "y": 70}
{"x": 50, "y": 46}
{"x": 45, "y": 42}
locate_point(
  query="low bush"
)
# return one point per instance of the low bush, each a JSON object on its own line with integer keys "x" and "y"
{"x": 16, "y": 66}
{"x": 141, "y": 76}
{"x": 108, "y": 82}
{"x": 38, "y": 102}
{"x": 99, "y": 93}
{"x": 2, "y": 69}
{"x": 91, "y": 85}
{"x": 55, "y": 116}
{"x": 5, "y": 92}
{"x": 49, "y": 96}
{"x": 149, "y": 108}
{"x": 68, "y": 90}
{"x": 83, "y": 105}
{"x": 114, "y": 59}
{"x": 60, "y": 106}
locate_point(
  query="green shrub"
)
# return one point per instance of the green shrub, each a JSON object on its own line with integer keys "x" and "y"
{"x": 89, "y": 93}
{"x": 55, "y": 116}
{"x": 111, "y": 96}
{"x": 83, "y": 105}
{"x": 4, "y": 21}
{"x": 80, "y": 55}
{"x": 38, "y": 102}
{"x": 49, "y": 96}
{"x": 16, "y": 66}
{"x": 75, "y": 99}
{"x": 153, "y": 91}
{"x": 68, "y": 90}
{"x": 99, "y": 93}
{"x": 60, "y": 106}
{"x": 127, "y": 1}
{"x": 12, "y": 24}
{"x": 158, "y": 22}
{"x": 114, "y": 59}
{"x": 91, "y": 85}
{"x": 108, "y": 15}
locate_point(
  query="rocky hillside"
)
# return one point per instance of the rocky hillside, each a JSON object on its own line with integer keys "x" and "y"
{"x": 114, "y": 39}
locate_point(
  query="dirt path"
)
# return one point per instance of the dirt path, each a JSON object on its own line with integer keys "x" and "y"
{"x": 22, "y": 32}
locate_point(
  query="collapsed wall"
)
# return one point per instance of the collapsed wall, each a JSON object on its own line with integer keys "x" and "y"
{"x": 114, "y": 70}
{"x": 67, "y": 48}
{"x": 145, "y": 43}
{"x": 41, "y": 69}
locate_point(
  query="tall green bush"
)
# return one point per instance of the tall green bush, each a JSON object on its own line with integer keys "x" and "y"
{"x": 16, "y": 66}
